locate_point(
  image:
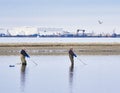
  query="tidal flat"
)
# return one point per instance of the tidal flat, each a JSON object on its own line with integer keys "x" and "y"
{"x": 61, "y": 48}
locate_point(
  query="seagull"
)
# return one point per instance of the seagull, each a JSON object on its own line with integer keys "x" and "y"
{"x": 100, "y": 22}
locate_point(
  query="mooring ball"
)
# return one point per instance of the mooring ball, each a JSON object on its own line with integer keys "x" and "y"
{"x": 11, "y": 65}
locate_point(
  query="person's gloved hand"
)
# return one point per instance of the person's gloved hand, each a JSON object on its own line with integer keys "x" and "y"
{"x": 75, "y": 55}
{"x": 28, "y": 56}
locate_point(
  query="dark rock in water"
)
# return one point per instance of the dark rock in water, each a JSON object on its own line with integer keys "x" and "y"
{"x": 11, "y": 65}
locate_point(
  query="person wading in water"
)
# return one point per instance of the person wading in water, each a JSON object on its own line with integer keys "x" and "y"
{"x": 71, "y": 56}
{"x": 23, "y": 55}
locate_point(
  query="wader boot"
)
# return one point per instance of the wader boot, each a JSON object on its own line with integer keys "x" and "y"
{"x": 71, "y": 59}
{"x": 23, "y": 60}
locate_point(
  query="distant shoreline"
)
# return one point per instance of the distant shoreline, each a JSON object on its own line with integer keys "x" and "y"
{"x": 61, "y": 48}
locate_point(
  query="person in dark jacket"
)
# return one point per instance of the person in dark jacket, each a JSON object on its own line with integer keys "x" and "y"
{"x": 71, "y": 56}
{"x": 23, "y": 55}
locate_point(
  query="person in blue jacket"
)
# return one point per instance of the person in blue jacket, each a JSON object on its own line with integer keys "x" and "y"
{"x": 23, "y": 56}
{"x": 71, "y": 56}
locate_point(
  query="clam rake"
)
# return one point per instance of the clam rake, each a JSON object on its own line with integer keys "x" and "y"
{"x": 81, "y": 61}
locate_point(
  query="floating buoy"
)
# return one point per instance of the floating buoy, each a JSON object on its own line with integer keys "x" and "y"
{"x": 11, "y": 65}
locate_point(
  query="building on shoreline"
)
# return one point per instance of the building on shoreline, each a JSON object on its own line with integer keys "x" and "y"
{"x": 29, "y": 31}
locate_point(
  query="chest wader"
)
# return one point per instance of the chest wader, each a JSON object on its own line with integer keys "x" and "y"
{"x": 23, "y": 60}
{"x": 71, "y": 59}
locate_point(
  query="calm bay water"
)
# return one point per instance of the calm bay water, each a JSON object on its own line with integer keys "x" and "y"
{"x": 53, "y": 74}
{"x": 59, "y": 40}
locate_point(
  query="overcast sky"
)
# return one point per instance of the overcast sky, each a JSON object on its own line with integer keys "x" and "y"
{"x": 68, "y": 14}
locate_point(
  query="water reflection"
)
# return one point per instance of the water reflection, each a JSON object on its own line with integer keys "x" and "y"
{"x": 23, "y": 78}
{"x": 71, "y": 74}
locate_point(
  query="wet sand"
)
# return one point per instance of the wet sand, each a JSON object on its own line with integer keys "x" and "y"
{"x": 60, "y": 48}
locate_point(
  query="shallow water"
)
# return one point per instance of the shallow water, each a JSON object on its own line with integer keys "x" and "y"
{"x": 53, "y": 74}
{"x": 58, "y": 40}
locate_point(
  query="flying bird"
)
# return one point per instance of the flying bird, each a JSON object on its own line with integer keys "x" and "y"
{"x": 100, "y": 22}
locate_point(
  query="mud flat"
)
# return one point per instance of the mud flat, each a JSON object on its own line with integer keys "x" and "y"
{"x": 60, "y": 48}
